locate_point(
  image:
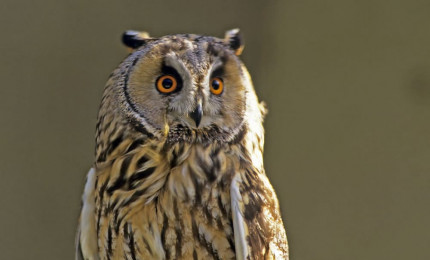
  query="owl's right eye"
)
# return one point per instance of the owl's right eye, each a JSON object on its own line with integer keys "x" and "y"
{"x": 166, "y": 84}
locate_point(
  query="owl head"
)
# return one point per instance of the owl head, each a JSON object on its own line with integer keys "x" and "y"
{"x": 184, "y": 87}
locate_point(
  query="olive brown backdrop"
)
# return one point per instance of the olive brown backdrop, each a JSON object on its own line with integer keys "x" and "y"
{"x": 347, "y": 84}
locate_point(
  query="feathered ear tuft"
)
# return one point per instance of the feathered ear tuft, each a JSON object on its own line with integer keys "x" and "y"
{"x": 135, "y": 39}
{"x": 234, "y": 39}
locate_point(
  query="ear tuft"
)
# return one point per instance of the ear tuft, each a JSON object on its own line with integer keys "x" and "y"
{"x": 134, "y": 39}
{"x": 234, "y": 39}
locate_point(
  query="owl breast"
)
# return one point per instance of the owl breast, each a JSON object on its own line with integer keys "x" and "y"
{"x": 170, "y": 203}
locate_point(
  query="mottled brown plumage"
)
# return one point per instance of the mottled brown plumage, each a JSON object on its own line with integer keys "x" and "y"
{"x": 180, "y": 175}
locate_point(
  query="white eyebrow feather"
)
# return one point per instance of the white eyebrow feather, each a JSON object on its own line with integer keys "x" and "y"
{"x": 172, "y": 60}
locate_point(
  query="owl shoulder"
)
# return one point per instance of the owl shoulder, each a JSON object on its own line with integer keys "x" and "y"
{"x": 259, "y": 232}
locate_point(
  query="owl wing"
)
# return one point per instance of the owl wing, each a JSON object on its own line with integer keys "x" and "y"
{"x": 259, "y": 232}
{"x": 86, "y": 239}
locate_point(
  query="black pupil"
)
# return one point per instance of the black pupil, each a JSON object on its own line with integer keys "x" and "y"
{"x": 167, "y": 83}
{"x": 215, "y": 84}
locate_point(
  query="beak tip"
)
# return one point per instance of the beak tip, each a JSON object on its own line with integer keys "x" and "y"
{"x": 197, "y": 114}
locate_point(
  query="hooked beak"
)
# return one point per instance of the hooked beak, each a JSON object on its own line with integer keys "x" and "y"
{"x": 197, "y": 114}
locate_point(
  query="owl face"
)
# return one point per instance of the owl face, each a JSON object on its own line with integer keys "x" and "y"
{"x": 187, "y": 85}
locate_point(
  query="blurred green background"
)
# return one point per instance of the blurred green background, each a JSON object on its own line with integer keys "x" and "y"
{"x": 348, "y": 89}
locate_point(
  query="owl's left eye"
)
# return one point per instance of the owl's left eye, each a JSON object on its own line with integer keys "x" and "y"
{"x": 217, "y": 86}
{"x": 166, "y": 84}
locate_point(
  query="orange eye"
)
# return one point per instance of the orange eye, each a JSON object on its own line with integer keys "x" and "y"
{"x": 217, "y": 86}
{"x": 166, "y": 84}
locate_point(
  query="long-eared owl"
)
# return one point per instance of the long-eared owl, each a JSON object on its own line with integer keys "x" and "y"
{"x": 178, "y": 172}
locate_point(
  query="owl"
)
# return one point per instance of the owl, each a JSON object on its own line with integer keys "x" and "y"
{"x": 178, "y": 171}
